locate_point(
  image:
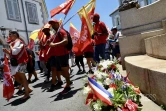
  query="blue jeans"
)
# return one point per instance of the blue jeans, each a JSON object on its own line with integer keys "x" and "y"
{"x": 99, "y": 51}
{"x": 107, "y": 56}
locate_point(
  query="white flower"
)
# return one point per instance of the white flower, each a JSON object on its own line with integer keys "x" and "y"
{"x": 98, "y": 75}
{"x": 97, "y": 107}
{"x": 86, "y": 90}
{"x": 107, "y": 81}
{"x": 111, "y": 90}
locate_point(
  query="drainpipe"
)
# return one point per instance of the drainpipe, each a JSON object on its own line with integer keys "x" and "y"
{"x": 26, "y": 30}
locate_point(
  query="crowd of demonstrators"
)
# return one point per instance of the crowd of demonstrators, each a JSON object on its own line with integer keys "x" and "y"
{"x": 18, "y": 61}
{"x": 54, "y": 55}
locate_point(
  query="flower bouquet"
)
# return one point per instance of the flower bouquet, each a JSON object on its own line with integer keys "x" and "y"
{"x": 108, "y": 90}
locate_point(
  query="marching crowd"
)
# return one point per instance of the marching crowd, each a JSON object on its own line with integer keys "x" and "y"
{"x": 54, "y": 55}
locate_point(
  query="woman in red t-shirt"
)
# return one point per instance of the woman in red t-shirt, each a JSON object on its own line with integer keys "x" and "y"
{"x": 18, "y": 53}
{"x": 79, "y": 59}
{"x": 89, "y": 53}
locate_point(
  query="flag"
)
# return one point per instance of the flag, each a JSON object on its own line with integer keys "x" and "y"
{"x": 31, "y": 44}
{"x": 75, "y": 35}
{"x": 63, "y": 8}
{"x": 8, "y": 87}
{"x": 86, "y": 30}
{"x": 34, "y": 34}
{"x": 100, "y": 92}
{"x": 90, "y": 9}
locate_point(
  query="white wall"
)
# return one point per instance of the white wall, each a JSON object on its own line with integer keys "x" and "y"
{"x": 20, "y": 26}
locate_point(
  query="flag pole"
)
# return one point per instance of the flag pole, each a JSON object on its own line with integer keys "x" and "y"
{"x": 78, "y": 11}
{"x": 57, "y": 33}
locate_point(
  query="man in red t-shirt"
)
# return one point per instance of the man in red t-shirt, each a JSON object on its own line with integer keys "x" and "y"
{"x": 61, "y": 56}
{"x": 100, "y": 36}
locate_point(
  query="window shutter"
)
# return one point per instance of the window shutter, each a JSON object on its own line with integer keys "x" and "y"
{"x": 32, "y": 12}
{"x": 35, "y": 14}
{"x": 10, "y": 9}
{"x": 16, "y": 10}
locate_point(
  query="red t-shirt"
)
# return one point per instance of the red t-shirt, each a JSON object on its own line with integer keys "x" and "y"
{"x": 99, "y": 27}
{"x": 78, "y": 53}
{"x": 89, "y": 48}
{"x": 59, "y": 50}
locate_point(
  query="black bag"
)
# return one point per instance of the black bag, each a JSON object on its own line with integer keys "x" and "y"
{"x": 69, "y": 45}
{"x": 13, "y": 61}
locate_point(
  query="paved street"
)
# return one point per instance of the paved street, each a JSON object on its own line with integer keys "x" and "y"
{"x": 41, "y": 100}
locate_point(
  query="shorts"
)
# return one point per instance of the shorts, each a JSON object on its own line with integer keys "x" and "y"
{"x": 59, "y": 61}
{"x": 20, "y": 68}
{"x": 89, "y": 54}
{"x": 30, "y": 68}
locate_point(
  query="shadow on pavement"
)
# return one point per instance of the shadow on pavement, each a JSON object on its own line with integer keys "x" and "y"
{"x": 17, "y": 102}
{"x": 44, "y": 86}
{"x": 69, "y": 95}
{"x": 79, "y": 78}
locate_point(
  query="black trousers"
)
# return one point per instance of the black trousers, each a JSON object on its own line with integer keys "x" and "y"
{"x": 79, "y": 59}
{"x": 38, "y": 62}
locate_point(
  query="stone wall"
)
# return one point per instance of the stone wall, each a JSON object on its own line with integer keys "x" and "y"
{"x": 156, "y": 46}
{"x": 142, "y": 19}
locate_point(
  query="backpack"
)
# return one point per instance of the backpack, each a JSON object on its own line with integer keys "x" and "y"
{"x": 69, "y": 45}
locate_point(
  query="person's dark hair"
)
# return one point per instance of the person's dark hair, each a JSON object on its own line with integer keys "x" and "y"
{"x": 16, "y": 33}
{"x": 114, "y": 28}
{"x": 2, "y": 59}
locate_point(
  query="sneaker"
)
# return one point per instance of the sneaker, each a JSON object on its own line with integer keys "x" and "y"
{"x": 66, "y": 90}
{"x": 58, "y": 84}
{"x": 83, "y": 71}
{"x": 71, "y": 83}
{"x": 79, "y": 71}
{"x": 20, "y": 92}
{"x": 91, "y": 72}
{"x": 46, "y": 80}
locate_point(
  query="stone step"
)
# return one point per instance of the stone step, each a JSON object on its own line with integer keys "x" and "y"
{"x": 148, "y": 105}
{"x": 155, "y": 46}
{"x": 149, "y": 74}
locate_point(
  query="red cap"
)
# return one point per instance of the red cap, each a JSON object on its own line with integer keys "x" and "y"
{"x": 47, "y": 26}
{"x": 96, "y": 15}
{"x": 53, "y": 20}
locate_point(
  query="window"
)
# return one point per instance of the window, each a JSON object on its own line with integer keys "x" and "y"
{"x": 32, "y": 13}
{"x": 13, "y": 11}
{"x": 117, "y": 20}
